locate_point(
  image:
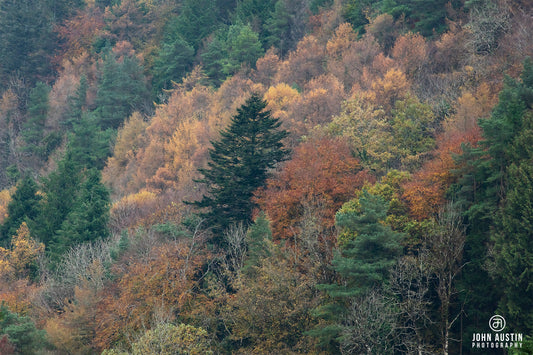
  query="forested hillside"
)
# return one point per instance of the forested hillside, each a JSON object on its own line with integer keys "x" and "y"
{"x": 265, "y": 176}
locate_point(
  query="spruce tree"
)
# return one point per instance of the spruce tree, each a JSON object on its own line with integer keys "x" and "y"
{"x": 88, "y": 218}
{"x": 122, "y": 90}
{"x": 24, "y": 205}
{"x": 37, "y": 112}
{"x": 487, "y": 175}
{"x": 239, "y": 164}
{"x": 368, "y": 251}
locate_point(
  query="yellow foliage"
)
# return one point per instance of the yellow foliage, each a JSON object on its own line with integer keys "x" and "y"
{"x": 5, "y": 198}
{"x": 341, "y": 42}
{"x": 389, "y": 89}
{"x": 279, "y": 97}
{"x": 15, "y": 262}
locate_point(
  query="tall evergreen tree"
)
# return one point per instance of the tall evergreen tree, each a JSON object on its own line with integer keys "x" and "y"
{"x": 88, "y": 218}
{"x": 37, "y": 111}
{"x": 25, "y": 39}
{"x": 485, "y": 179}
{"x": 122, "y": 90}
{"x": 60, "y": 189}
{"x": 76, "y": 104}
{"x": 24, "y": 205}
{"x": 368, "y": 251}
{"x": 239, "y": 164}
{"x": 173, "y": 61}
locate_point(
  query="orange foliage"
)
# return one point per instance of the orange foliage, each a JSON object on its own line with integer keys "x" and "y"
{"x": 303, "y": 64}
{"x": 317, "y": 105}
{"x": 426, "y": 191}
{"x": 127, "y": 212}
{"x": 392, "y": 87}
{"x": 348, "y": 57}
{"x": 165, "y": 280}
{"x": 79, "y": 32}
{"x": 266, "y": 68}
{"x": 322, "y": 172}
{"x": 411, "y": 52}
{"x": 5, "y": 198}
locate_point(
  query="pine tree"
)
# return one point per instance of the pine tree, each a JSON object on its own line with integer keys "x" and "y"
{"x": 60, "y": 189}
{"x": 489, "y": 173}
{"x": 76, "y": 104}
{"x": 173, "y": 61}
{"x": 258, "y": 240}
{"x": 24, "y": 205}
{"x": 25, "y": 39}
{"x": 37, "y": 111}
{"x": 369, "y": 251}
{"x": 88, "y": 218}
{"x": 239, "y": 164}
{"x": 122, "y": 90}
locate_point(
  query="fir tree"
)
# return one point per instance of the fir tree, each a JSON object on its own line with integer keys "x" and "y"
{"x": 239, "y": 164}
{"x": 485, "y": 179}
{"x": 368, "y": 251}
{"x": 24, "y": 205}
{"x": 122, "y": 91}
{"x": 174, "y": 59}
{"x": 37, "y": 112}
{"x": 25, "y": 39}
{"x": 88, "y": 218}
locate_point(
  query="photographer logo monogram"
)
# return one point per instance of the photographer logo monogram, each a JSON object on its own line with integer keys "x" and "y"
{"x": 498, "y": 338}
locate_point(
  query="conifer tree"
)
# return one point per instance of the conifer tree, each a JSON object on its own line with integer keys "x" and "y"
{"x": 239, "y": 164}
{"x": 25, "y": 39}
{"x": 24, "y": 205}
{"x": 369, "y": 250}
{"x": 37, "y": 111}
{"x": 489, "y": 182}
{"x": 122, "y": 90}
{"x": 88, "y": 218}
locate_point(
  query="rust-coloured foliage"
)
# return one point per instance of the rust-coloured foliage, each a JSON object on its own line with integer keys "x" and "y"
{"x": 322, "y": 171}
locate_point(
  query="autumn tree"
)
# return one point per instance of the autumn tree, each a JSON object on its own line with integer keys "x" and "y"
{"x": 239, "y": 164}
{"x": 321, "y": 173}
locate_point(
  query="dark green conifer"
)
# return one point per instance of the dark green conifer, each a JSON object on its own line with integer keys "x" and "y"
{"x": 37, "y": 111}
{"x": 363, "y": 261}
{"x": 24, "y": 206}
{"x": 239, "y": 164}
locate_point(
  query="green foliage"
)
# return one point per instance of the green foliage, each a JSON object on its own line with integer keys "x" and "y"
{"x": 59, "y": 188}
{"x": 37, "y": 111}
{"x": 258, "y": 239}
{"x": 25, "y": 39}
{"x": 122, "y": 90}
{"x": 356, "y": 13}
{"x": 197, "y": 19}
{"x": 89, "y": 145}
{"x": 21, "y": 331}
{"x": 88, "y": 218}
{"x": 239, "y": 164}
{"x": 173, "y": 61}
{"x": 77, "y": 104}
{"x": 230, "y": 48}
{"x": 492, "y": 175}
{"x": 24, "y": 205}
{"x": 362, "y": 263}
